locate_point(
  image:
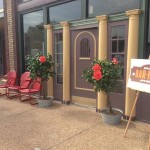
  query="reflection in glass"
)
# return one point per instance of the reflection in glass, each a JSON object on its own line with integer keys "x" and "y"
{"x": 114, "y": 46}
{"x": 114, "y": 33}
{"x": 121, "y": 45}
{"x": 100, "y": 7}
{"x": 33, "y": 32}
{"x": 65, "y": 12}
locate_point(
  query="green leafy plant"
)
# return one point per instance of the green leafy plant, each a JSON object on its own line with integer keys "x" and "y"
{"x": 40, "y": 66}
{"x": 103, "y": 75}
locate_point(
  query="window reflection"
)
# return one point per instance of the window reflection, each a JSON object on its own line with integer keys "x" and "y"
{"x": 23, "y": 1}
{"x": 65, "y": 12}
{"x": 33, "y": 32}
{"x": 100, "y": 7}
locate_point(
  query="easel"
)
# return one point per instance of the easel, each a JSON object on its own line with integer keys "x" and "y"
{"x": 135, "y": 101}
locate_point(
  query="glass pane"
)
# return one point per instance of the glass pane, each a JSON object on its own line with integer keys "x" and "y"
{"x": 33, "y": 32}
{"x": 59, "y": 79}
{"x": 100, "y": 7}
{"x": 114, "y": 33}
{"x": 119, "y": 88}
{"x": 59, "y": 48}
{"x": 120, "y": 58}
{"x": 121, "y": 46}
{"x": 65, "y": 12}
{"x": 60, "y": 37}
{"x": 114, "y": 46}
{"x": 59, "y": 58}
{"x": 22, "y": 1}
{"x": 59, "y": 69}
{"x": 121, "y": 32}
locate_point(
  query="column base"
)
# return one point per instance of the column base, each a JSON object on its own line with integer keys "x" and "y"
{"x": 66, "y": 102}
{"x": 127, "y": 118}
{"x": 98, "y": 110}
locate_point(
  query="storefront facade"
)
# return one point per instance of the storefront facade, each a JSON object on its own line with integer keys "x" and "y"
{"x": 75, "y": 32}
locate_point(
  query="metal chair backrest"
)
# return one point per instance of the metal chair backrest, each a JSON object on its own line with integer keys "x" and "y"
{"x": 25, "y": 80}
{"x": 36, "y": 85}
{"x": 11, "y": 78}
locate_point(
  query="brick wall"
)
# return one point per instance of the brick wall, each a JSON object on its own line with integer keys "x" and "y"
{"x": 10, "y": 34}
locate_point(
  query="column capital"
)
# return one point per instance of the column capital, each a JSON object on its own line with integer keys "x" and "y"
{"x": 65, "y": 23}
{"x": 47, "y": 26}
{"x": 133, "y": 12}
{"x": 102, "y": 17}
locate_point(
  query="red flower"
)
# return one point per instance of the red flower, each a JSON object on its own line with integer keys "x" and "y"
{"x": 115, "y": 61}
{"x": 97, "y": 67}
{"x": 42, "y": 59}
{"x": 97, "y": 75}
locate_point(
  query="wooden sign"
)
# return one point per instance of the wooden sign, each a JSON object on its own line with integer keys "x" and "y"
{"x": 139, "y": 78}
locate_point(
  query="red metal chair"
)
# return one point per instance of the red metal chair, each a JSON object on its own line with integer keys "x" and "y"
{"x": 10, "y": 79}
{"x": 34, "y": 88}
{"x": 25, "y": 81}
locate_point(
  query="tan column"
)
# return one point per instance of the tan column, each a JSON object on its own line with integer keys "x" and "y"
{"x": 66, "y": 62}
{"x": 49, "y": 50}
{"x": 132, "y": 52}
{"x": 102, "y": 54}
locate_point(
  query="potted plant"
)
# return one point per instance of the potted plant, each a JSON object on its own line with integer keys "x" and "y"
{"x": 41, "y": 67}
{"x": 103, "y": 75}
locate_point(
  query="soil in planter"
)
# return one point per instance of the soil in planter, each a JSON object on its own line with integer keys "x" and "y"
{"x": 114, "y": 112}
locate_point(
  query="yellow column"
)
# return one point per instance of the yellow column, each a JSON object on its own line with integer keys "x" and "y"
{"x": 132, "y": 52}
{"x": 49, "y": 51}
{"x": 102, "y": 54}
{"x": 66, "y": 62}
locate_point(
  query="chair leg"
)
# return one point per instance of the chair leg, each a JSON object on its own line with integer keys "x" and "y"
{"x": 14, "y": 95}
{"x": 30, "y": 98}
{"x": 1, "y": 94}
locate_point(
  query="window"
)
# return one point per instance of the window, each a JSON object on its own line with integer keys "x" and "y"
{"x": 33, "y": 32}
{"x": 58, "y": 46}
{"x": 100, "y": 7}
{"x": 1, "y": 4}
{"x": 85, "y": 48}
{"x": 117, "y": 49}
{"x": 23, "y": 1}
{"x": 65, "y": 12}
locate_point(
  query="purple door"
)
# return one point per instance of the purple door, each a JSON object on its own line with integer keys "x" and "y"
{"x": 83, "y": 52}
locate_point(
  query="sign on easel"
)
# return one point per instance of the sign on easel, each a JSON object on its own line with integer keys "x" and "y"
{"x": 139, "y": 78}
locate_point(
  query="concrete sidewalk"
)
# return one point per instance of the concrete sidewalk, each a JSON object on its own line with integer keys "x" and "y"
{"x": 63, "y": 127}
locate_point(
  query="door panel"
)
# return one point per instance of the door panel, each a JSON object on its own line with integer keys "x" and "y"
{"x": 83, "y": 52}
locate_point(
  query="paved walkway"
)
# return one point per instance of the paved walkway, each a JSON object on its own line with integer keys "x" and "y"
{"x": 63, "y": 127}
